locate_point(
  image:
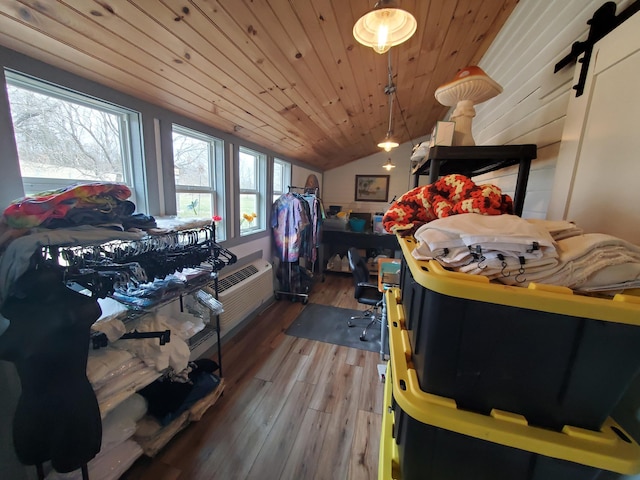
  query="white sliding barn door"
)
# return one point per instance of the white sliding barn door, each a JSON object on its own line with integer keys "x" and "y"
{"x": 597, "y": 179}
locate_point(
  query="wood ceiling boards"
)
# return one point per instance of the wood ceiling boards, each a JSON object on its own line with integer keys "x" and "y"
{"x": 284, "y": 74}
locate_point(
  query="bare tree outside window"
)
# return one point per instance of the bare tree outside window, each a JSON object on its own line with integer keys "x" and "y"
{"x": 194, "y": 160}
{"x": 59, "y": 139}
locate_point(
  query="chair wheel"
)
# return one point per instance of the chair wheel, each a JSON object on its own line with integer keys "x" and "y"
{"x": 363, "y": 338}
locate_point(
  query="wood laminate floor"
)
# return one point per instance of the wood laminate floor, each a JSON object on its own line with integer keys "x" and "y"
{"x": 292, "y": 408}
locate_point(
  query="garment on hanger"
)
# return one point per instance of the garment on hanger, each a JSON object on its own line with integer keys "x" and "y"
{"x": 317, "y": 216}
{"x": 290, "y": 216}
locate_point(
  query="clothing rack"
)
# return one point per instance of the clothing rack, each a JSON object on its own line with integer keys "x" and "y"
{"x": 313, "y": 191}
{"x": 113, "y": 266}
{"x": 65, "y": 273}
{"x": 291, "y": 275}
{"x": 104, "y": 267}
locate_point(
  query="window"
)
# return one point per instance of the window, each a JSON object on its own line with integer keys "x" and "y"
{"x": 281, "y": 177}
{"x": 64, "y": 137}
{"x": 252, "y": 176}
{"x": 198, "y": 168}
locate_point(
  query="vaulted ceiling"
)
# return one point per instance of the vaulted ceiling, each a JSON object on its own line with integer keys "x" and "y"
{"x": 284, "y": 74}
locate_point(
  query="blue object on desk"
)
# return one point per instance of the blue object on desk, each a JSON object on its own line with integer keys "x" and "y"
{"x": 357, "y": 224}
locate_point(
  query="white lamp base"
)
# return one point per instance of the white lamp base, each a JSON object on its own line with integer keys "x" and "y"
{"x": 463, "y": 115}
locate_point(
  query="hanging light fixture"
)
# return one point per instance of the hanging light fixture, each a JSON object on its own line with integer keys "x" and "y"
{"x": 389, "y": 143}
{"x": 388, "y": 166}
{"x": 385, "y": 26}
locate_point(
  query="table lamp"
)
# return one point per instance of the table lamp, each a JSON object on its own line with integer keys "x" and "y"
{"x": 470, "y": 86}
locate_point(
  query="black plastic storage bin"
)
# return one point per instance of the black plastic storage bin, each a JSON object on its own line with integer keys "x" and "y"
{"x": 543, "y": 352}
{"x": 428, "y": 452}
{"x": 437, "y": 440}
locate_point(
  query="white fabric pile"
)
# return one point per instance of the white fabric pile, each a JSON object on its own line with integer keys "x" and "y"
{"x": 125, "y": 366}
{"x": 174, "y": 354}
{"x": 118, "y": 450}
{"x": 515, "y": 251}
{"x": 105, "y": 363}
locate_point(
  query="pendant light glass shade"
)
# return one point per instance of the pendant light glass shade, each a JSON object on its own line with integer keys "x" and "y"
{"x": 385, "y": 26}
{"x": 388, "y": 143}
{"x": 388, "y": 166}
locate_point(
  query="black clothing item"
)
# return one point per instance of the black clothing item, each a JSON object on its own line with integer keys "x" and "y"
{"x": 98, "y": 215}
{"x": 139, "y": 220}
{"x": 167, "y": 400}
{"x": 57, "y": 417}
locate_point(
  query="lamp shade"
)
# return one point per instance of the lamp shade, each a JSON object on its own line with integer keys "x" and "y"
{"x": 470, "y": 83}
{"x": 470, "y": 86}
{"x": 388, "y": 143}
{"x": 389, "y": 165}
{"x": 385, "y": 26}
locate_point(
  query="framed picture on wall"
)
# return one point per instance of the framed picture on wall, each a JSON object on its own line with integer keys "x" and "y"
{"x": 372, "y": 188}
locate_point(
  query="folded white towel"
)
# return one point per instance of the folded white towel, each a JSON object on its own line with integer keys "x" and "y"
{"x": 613, "y": 278}
{"x": 104, "y": 360}
{"x": 580, "y": 258}
{"x": 558, "y": 229}
{"x": 487, "y": 244}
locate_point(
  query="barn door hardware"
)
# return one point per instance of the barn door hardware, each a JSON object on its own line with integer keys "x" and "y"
{"x": 604, "y": 20}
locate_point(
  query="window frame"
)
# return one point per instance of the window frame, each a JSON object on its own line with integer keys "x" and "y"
{"x": 260, "y": 191}
{"x": 216, "y": 187}
{"x": 285, "y": 178}
{"x": 131, "y": 144}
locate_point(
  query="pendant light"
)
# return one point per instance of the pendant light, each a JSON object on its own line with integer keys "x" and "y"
{"x": 385, "y": 26}
{"x": 389, "y": 143}
{"x": 388, "y": 166}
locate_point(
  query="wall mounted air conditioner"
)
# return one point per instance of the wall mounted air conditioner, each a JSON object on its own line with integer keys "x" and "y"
{"x": 241, "y": 291}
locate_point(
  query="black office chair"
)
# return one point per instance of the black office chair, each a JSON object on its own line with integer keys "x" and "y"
{"x": 365, "y": 292}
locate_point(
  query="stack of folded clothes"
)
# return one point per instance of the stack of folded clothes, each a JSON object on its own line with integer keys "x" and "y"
{"x": 515, "y": 251}
{"x": 102, "y": 204}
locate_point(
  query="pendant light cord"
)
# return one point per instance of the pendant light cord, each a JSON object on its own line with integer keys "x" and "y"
{"x": 391, "y": 90}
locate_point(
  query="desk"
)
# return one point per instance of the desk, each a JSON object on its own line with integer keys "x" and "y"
{"x": 339, "y": 241}
{"x": 386, "y": 267}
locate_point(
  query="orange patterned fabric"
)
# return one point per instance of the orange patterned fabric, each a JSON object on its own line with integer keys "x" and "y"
{"x": 450, "y": 195}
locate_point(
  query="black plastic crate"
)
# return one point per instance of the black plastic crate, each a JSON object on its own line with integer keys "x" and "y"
{"x": 428, "y": 452}
{"x": 436, "y": 439}
{"x": 554, "y": 357}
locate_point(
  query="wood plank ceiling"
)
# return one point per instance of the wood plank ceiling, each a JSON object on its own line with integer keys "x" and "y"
{"x": 284, "y": 74}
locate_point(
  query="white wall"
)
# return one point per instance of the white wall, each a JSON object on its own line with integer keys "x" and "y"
{"x": 299, "y": 176}
{"x": 340, "y": 182}
{"x": 533, "y": 105}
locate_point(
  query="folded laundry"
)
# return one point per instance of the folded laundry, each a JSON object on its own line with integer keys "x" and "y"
{"x": 516, "y": 251}
{"x": 102, "y": 361}
{"x": 32, "y": 211}
{"x": 174, "y": 354}
{"x": 582, "y": 257}
{"x": 487, "y": 245}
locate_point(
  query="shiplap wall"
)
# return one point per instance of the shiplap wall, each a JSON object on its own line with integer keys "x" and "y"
{"x": 533, "y": 105}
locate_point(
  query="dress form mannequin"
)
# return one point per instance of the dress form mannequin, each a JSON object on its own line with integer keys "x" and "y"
{"x": 57, "y": 417}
